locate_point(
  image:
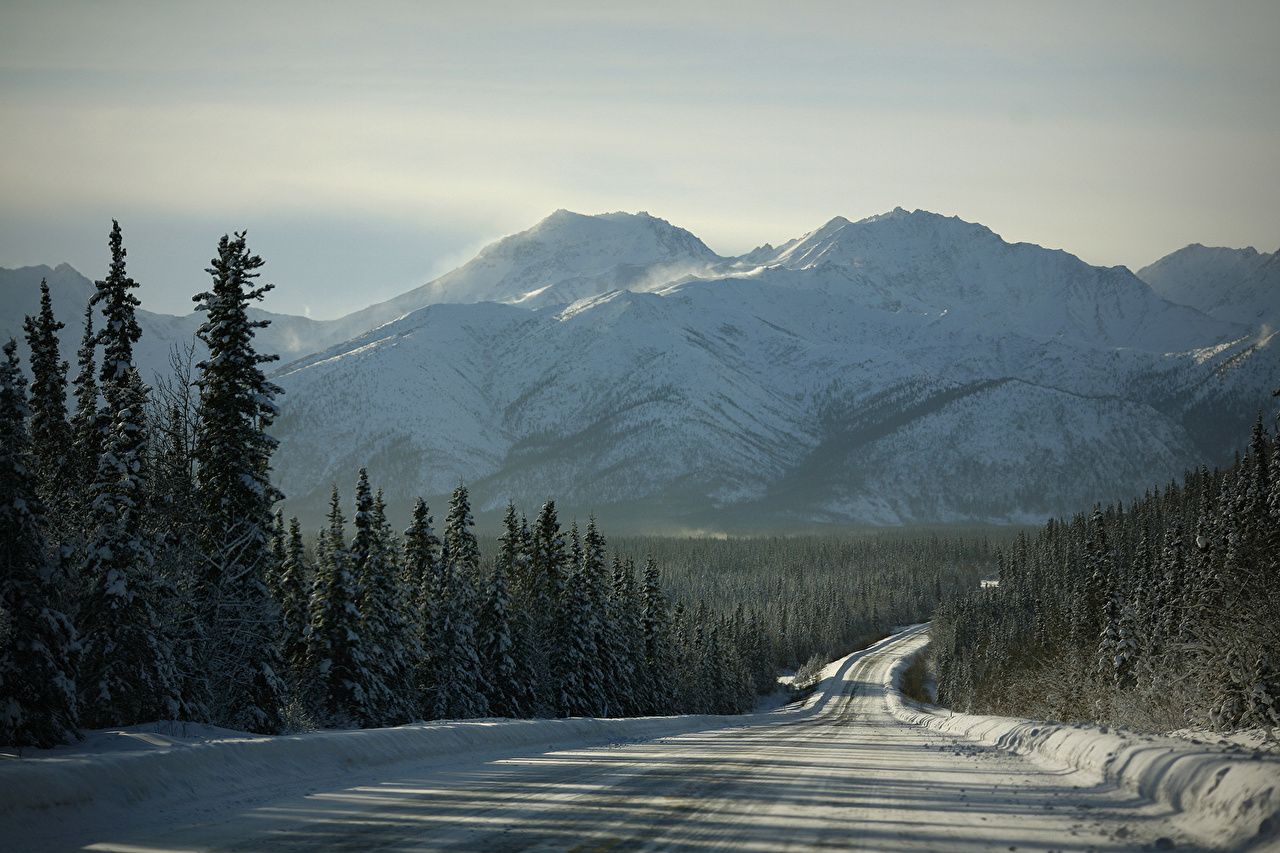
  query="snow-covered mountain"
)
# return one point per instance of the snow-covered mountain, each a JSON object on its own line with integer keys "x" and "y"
{"x": 565, "y": 257}
{"x": 288, "y": 336}
{"x": 906, "y": 367}
{"x": 1239, "y": 285}
{"x": 923, "y": 262}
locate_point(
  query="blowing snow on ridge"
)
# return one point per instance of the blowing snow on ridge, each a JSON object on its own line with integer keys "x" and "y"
{"x": 907, "y": 367}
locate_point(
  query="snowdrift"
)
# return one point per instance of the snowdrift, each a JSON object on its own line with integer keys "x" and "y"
{"x": 1227, "y": 800}
{"x": 99, "y": 774}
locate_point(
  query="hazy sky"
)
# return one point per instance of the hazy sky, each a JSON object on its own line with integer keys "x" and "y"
{"x": 367, "y": 151}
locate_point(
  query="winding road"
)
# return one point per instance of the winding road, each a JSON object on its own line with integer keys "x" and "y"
{"x": 847, "y": 776}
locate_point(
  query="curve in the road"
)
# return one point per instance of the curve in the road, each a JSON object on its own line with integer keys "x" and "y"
{"x": 848, "y": 775}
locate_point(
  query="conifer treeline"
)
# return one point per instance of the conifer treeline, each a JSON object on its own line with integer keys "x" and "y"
{"x": 143, "y": 575}
{"x": 822, "y": 596}
{"x": 1160, "y": 615}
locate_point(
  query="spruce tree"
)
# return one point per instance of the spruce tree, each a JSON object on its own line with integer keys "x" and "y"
{"x": 547, "y": 591}
{"x": 421, "y": 573}
{"x": 515, "y": 564}
{"x": 657, "y": 679}
{"x": 292, "y": 591}
{"x": 50, "y": 431}
{"x": 574, "y": 649}
{"x": 233, "y": 488}
{"x": 366, "y": 561}
{"x": 460, "y": 684}
{"x": 391, "y": 699}
{"x": 86, "y": 425}
{"x": 119, "y": 306}
{"x": 502, "y": 687}
{"x": 627, "y": 641}
{"x": 601, "y": 678}
{"x": 276, "y": 564}
{"x": 336, "y": 647}
{"x": 127, "y": 672}
{"x": 402, "y": 620}
{"x": 38, "y": 644}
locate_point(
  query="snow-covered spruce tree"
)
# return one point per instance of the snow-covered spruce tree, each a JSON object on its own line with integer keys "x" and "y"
{"x": 390, "y": 694}
{"x": 233, "y": 488}
{"x": 1189, "y": 634}
{"x": 626, "y": 639}
{"x": 460, "y": 682}
{"x": 546, "y": 590}
{"x": 712, "y": 678}
{"x": 278, "y": 546}
{"x": 657, "y": 678}
{"x": 294, "y": 608}
{"x": 501, "y": 686}
{"x": 86, "y": 439}
{"x": 404, "y": 627}
{"x": 366, "y": 563}
{"x": 421, "y": 555}
{"x": 686, "y": 645}
{"x": 38, "y": 644}
{"x": 421, "y": 573}
{"x": 336, "y": 647}
{"x": 575, "y": 547}
{"x": 50, "y": 431}
{"x": 527, "y": 654}
{"x": 574, "y": 646}
{"x": 602, "y": 680}
{"x": 126, "y": 672}
{"x": 118, "y": 304}
{"x": 401, "y": 621}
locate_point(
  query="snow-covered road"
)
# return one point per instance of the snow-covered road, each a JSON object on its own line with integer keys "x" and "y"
{"x": 850, "y": 776}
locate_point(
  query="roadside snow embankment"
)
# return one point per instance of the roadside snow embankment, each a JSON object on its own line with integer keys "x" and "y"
{"x": 1227, "y": 799}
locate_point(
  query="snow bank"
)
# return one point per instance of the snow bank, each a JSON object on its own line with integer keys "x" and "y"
{"x": 172, "y": 762}
{"x": 210, "y": 767}
{"x": 1230, "y": 800}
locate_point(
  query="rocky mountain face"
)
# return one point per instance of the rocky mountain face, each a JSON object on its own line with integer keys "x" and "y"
{"x": 905, "y": 368}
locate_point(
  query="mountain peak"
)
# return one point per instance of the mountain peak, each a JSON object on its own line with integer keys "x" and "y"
{"x": 896, "y": 213}
{"x": 1237, "y": 285}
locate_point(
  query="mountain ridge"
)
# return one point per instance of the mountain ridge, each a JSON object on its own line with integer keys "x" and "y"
{"x": 904, "y": 368}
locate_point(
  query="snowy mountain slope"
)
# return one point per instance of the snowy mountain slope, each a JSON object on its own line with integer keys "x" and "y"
{"x": 922, "y": 261}
{"x": 906, "y": 367}
{"x": 745, "y": 399}
{"x": 565, "y": 257}
{"x": 1238, "y": 285}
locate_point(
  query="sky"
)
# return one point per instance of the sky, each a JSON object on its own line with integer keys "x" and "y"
{"x": 370, "y": 147}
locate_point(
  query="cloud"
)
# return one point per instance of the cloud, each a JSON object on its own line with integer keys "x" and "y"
{"x": 1118, "y": 133}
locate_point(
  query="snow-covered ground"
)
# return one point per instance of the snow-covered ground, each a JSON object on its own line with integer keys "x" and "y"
{"x": 1224, "y": 793}
{"x": 840, "y": 770}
